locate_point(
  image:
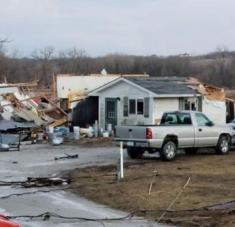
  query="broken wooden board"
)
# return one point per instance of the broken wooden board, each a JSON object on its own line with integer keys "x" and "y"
{"x": 44, "y": 182}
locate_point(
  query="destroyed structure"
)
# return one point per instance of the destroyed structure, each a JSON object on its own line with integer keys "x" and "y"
{"x": 24, "y": 106}
{"x": 101, "y": 101}
{"x": 138, "y": 99}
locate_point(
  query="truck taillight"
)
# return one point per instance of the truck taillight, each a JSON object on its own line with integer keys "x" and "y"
{"x": 149, "y": 133}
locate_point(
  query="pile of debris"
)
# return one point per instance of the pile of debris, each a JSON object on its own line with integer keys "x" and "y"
{"x": 26, "y": 106}
{"x": 23, "y": 109}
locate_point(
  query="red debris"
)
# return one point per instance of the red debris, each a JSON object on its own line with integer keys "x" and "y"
{"x": 5, "y": 222}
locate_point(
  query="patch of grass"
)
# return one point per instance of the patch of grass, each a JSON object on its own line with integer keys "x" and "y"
{"x": 212, "y": 182}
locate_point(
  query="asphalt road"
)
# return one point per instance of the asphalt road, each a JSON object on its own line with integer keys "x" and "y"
{"x": 39, "y": 161}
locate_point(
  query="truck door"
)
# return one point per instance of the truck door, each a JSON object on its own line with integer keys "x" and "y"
{"x": 181, "y": 125}
{"x": 205, "y": 132}
{"x": 185, "y": 130}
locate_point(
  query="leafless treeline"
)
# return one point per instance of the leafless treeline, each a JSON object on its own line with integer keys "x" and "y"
{"x": 217, "y": 68}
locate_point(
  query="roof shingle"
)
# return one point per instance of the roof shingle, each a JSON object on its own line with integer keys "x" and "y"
{"x": 164, "y": 86}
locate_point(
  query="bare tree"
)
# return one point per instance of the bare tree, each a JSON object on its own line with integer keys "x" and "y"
{"x": 44, "y": 54}
{"x": 45, "y": 70}
{"x": 216, "y": 68}
{"x": 3, "y": 59}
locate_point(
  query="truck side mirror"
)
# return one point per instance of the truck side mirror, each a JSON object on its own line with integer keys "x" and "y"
{"x": 210, "y": 123}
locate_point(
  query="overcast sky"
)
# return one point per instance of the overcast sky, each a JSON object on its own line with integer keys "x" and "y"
{"x": 147, "y": 27}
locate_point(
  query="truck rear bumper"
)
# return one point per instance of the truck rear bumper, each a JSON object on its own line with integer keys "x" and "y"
{"x": 133, "y": 143}
{"x": 140, "y": 143}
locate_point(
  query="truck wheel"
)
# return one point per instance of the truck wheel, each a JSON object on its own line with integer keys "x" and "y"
{"x": 134, "y": 152}
{"x": 223, "y": 145}
{"x": 168, "y": 151}
{"x": 190, "y": 151}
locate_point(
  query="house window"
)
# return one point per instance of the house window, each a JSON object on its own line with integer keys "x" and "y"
{"x": 132, "y": 106}
{"x": 193, "y": 106}
{"x": 189, "y": 103}
{"x": 186, "y": 105}
{"x": 140, "y": 106}
{"x": 125, "y": 106}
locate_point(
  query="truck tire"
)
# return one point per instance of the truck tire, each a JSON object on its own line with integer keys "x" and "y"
{"x": 191, "y": 151}
{"x": 168, "y": 151}
{"x": 134, "y": 153}
{"x": 223, "y": 145}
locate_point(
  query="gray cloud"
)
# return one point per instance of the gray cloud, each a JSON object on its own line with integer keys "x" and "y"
{"x": 127, "y": 26}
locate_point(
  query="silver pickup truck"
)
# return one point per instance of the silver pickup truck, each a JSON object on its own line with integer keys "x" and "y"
{"x": 187, "y": 130}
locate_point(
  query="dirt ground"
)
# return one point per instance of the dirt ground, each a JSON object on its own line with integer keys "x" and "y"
{"x": 211, "y": 180}
{"x": 92, "y": 142}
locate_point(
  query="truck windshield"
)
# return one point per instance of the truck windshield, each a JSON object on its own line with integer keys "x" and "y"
{"x": 176, "y": 119}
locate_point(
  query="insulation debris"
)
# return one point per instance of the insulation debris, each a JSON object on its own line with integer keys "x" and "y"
{"x": 211, "y": 92}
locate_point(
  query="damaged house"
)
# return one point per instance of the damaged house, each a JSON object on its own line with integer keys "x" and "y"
{"x": 71, "y": 89}
{"x": 120, "y": 100}
{"x": 72, "y": 92}
{"x": 137, "y": 101}
{"x": 144, "y": 100}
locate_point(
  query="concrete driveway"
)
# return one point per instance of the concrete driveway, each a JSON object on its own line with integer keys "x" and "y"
{"x": 39, "y": 161}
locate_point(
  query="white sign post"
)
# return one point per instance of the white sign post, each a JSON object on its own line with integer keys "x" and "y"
{"x": 121, "y": 161}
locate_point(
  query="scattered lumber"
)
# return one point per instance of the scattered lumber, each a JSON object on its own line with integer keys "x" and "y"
{"x": 67, "y": 156}
{"x": 44, "y": 182}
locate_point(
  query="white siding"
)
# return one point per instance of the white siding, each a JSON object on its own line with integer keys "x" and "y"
{"x": 6, "y": 90}
{"x": 162, "y": 105}
{"x": 215, "y": 110}
{"x": 67, "y": 84}
{"x": 121, "y": 90}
